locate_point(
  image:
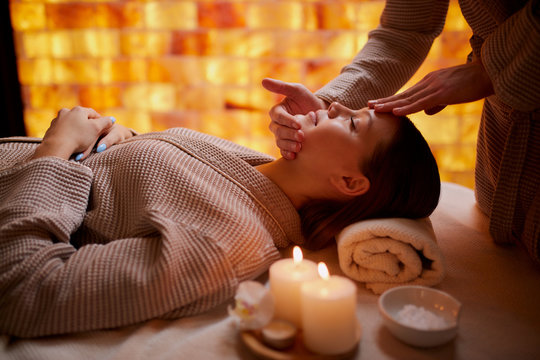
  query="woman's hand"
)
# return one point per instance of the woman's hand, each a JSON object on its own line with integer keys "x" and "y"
{"x": 75, "y": 131}
{"x": 286, "y": 129}
{"x": 454, "y": 85}
{"x": 113, "y": 135}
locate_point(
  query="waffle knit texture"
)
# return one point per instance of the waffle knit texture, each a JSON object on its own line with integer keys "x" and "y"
{"x": 506, "y": 37}
{"x": 163, "y": 225}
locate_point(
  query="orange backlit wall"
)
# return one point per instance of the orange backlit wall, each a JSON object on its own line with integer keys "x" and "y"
{"x": 159, "y": 64}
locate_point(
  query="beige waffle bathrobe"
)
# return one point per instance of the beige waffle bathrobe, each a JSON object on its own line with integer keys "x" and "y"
{"x": 507, "y": 39}
{"x": 160, "y": 226}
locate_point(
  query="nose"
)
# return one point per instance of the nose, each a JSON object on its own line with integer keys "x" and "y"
{"x": 335, "y": 109}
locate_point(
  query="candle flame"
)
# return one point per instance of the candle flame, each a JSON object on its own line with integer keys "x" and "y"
{"x": 323, "y": 271}
{"x": 297, "y": 255}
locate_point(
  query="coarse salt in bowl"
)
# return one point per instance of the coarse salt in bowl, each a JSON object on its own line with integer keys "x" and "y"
{"x": 419, "y": 315}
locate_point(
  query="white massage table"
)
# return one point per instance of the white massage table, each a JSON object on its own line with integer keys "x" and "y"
{"x": 498, "y": 286}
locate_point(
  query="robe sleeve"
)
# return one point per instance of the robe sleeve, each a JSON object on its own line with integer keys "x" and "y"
{"x": 47, "y": 286}
{"x": 511, "y": 55}
{"x": 392, "y": 54}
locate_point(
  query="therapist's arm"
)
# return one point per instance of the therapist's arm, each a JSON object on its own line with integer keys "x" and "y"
{"x": 393, "y": 53}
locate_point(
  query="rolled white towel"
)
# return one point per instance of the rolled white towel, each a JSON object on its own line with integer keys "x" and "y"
{"x": 385, "y": 253}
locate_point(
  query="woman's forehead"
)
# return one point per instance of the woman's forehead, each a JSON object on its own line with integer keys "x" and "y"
{"x": 388, "y": 121}
{"x": 376, "y": 115}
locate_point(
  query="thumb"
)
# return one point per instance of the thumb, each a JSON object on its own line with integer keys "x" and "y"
{"x": 280, "y": 87}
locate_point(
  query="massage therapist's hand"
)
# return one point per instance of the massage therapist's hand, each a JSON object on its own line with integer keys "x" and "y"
{"x": 298, "y": 101}
{"x": 73, "y": 131}
{"x": 454, "y": 85}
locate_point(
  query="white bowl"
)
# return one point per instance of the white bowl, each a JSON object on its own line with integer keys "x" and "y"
{"x": 439, "y": 303}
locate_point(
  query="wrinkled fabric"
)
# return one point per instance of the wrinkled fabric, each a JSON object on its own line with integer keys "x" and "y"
{"x": 162, "y": 225}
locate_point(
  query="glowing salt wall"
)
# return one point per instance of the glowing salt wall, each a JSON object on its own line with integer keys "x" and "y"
{"x": 159, "y": 64}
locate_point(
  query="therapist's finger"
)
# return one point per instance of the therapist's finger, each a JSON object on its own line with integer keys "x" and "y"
{"x": 288, "y": 155}
{"x": 288, "y": 145}
{"x": 373, "y": 103}
{"x": 404, "y": 99}
{"x": 286, "y": 133}
{"x": 434, "y": 110}
{"x": 280, "y": 116}
{"x": 427, "y": 102}
{"x": 414, "y": 92}
{"x": 282, "y": 87}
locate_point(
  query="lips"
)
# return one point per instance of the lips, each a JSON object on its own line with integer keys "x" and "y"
{"x": 313, "y": 117}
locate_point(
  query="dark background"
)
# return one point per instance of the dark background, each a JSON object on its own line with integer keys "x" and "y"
{"x": 11, "y": 118}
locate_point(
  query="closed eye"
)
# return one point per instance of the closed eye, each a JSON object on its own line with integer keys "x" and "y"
{"x": 353, "y": 126}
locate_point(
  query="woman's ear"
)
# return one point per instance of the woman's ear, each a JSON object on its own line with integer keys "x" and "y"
{"x": 351, "y": 185}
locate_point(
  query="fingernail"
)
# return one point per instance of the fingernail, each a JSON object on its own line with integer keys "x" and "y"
{"x": 79, "y": 156}
{"x": 113, "y": 119}
{"x": 101, "y": 147}
{"x": 378, "y": 106}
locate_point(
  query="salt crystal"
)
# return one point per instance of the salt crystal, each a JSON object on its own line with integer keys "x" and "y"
{"x": 420, "y": 318}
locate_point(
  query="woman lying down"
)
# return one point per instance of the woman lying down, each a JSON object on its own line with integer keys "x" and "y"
{"x": 166, "y": 224}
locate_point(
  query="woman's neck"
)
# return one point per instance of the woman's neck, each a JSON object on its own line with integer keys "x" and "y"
{"x": 292, "y": 181}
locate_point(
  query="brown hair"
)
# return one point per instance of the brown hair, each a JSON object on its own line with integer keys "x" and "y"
{"x": 404, "y": 182}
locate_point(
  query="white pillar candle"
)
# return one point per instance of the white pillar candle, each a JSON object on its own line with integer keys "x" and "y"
{"x": 329, "y": 322}
{"x": 286, "y": 277}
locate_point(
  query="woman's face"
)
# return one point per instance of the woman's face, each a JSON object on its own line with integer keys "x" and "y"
{"x": 341, "y": 139}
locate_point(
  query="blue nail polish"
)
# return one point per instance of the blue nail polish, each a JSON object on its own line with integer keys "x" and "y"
{"x": 101, "y": 147}
{"x": 113, "y": 119}
{"x": 79, "y": 156}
